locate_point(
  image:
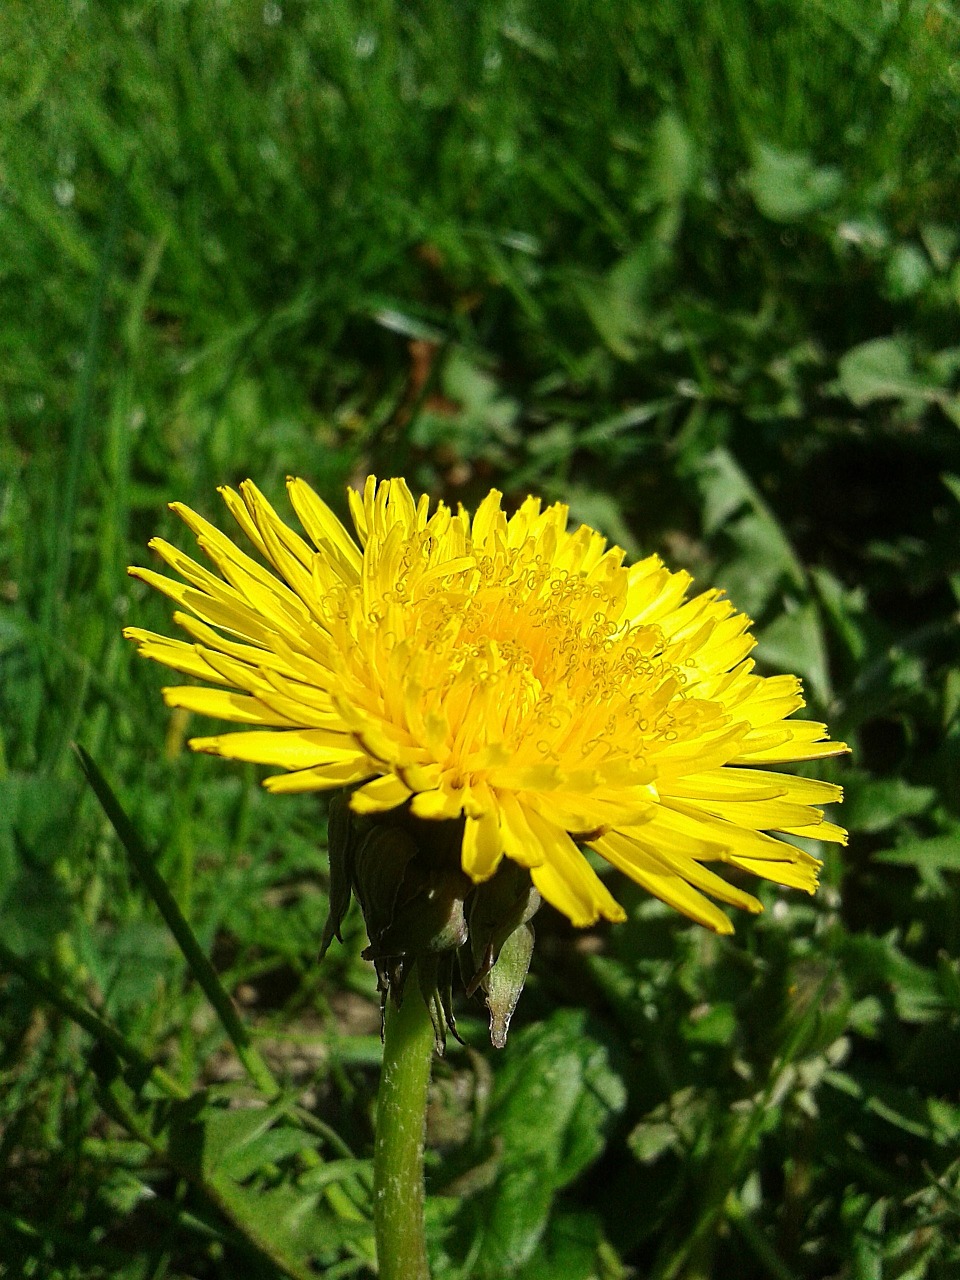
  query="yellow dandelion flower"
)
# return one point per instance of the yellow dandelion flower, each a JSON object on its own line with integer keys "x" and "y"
{"x": 506, "y": 671}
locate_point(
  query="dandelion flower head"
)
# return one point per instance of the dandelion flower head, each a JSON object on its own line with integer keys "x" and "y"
{"x": 505, "y": 671}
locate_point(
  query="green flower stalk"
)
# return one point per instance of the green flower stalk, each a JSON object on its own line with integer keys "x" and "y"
{"x": 498, "y": 693}
{"x": 398, "y": 1187}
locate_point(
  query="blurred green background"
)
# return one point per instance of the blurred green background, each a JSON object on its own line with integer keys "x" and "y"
{"x": 693, "y": 268}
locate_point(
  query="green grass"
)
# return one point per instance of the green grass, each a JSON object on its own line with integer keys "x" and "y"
{"x": 693, "y": 268}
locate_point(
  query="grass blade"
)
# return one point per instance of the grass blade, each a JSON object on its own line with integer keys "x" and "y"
{"x": 196, "y": 959}
{"x": 91, "y": 1022}
{"x": 56, "y": 585}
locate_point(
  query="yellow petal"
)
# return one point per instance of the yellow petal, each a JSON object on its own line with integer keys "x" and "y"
{"x": 670, "y": 886}
{"x": 186, "y": 658}
{"x": 326, "y": 531}
{"x": 386, "y": 792}
{"x": 301, "y": 668}
{"x": 292, "y": 748}
{"x": 217, "y": 545}
{"x": 418, "y": 777}
{"x": 265, "y": 518}
{"x": 324, "y": 778}
{"x": 792, "y": 875}
{"x": 238, "y": 618}
{"x": 828, "y": 831}
{"x": 358, "y": 510}
{"x": 797, "y": 747}
{"x": 223, "y": 705}
{"x": 437, "y": 805}
{"x": 482, "y": 846}
{"x": 754, "y": 784}
{"x": 567, "y": 880}
{"x": 758, "y": 815}
{"x": 238, "y": 509}
{"x": 518, "y": 840}
{"x": 195, "y": 574}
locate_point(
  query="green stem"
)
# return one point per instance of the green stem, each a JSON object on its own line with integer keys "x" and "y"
{"x": 398, "y": 1193}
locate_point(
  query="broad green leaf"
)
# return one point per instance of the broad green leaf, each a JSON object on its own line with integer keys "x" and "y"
{"x": 761, "y": 558}
{"x": 882, "y": 369}
{"x": 128, "y": 963}
{"x": 649, "y": 1140}
{"x": 717, "y": 1025}
{"x": 940, "y": 241}
{"x": 274, "y": 1145}
{"x": 572, "y": 1248}
{"x": 478, "y": 421}
{"x": 616, "y": 302}
{"x": 788, "y": 185}
{"x": 876, "y": 804}
{"x": 938, "y": 853}
{"x": 602, "y": 512}
{"x": 221, "y": 1149}
{"x": 794, "y": 642}
{"x": 672, "y": 159}
{"x": 553, "y": 1098}
{"x": 724, "y": 489}
{"x": 877, "y": 964}
{"x": 759, "y": 563}
{"x": 844, "y": 610}
{"x": 205, "y": 1134}
{"x": 908, "y": 271}
{"x": 868, "y": 1246}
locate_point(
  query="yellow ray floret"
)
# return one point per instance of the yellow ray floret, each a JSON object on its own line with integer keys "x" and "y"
{"x": 506, "y": 671}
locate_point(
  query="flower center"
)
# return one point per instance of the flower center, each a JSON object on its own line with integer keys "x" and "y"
{"x": 515, "y": 654}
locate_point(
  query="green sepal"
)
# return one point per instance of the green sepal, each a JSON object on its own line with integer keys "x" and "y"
{"x": 421, "y": 909}
{"x": 429, "y": 916}
{"x": 498, "y": 907}
{"x": 411, "y": 887}
{"x": 435, "y": 975}
{"x": 379, "y": 867}
{"x": 504, "y": 983}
